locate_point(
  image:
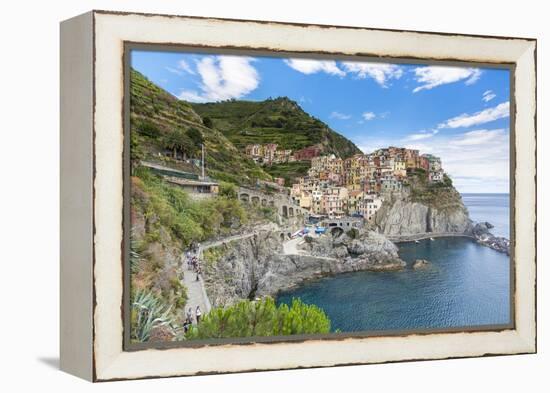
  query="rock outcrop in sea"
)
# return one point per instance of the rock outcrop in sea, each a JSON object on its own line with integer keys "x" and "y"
{"x": 258, "y": 266}
{"x": 481, "y": 232}
{"x": 420, "y": 263}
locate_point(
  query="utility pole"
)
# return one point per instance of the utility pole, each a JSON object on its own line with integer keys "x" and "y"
{"x": 202, "y": 160}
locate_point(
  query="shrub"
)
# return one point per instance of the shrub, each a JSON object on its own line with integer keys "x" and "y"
{"x": 207, "y": 122}
{"x": 188, "y": 220}
{"x": 148, "y": 128}
{"x": 212, "y": 255}
{"x": 228, "y": 190}
{"x": 195, "y": 136}
{"x": 353, "y": 233}
{"x": 261, "y": 318}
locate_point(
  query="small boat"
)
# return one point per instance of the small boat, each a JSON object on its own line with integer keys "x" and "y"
{"x": 432, "y": 239}
{"x": 320, "y": 230}
{"x": 417, "y": 241}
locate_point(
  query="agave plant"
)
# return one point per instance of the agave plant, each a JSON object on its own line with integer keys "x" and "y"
{"x": 148, "y": 312}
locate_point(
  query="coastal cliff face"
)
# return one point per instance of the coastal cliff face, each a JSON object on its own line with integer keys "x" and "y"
{"x": 424, "y": 209}
{"x": 404, "y": 217}
{"x": 257, "y": 266}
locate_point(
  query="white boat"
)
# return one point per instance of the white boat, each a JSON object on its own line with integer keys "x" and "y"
{"x": 417, "y": 241}
{"x": 432, "y": 239}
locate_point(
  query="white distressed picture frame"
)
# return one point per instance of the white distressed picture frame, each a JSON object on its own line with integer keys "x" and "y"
{"x": 92, "y": 140}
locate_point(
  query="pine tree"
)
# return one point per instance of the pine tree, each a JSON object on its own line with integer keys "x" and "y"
{"x": 261, "y": 318}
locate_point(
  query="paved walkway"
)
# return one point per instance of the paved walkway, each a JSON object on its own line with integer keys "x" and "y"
{"x": 254, "y": 231}
{"x": 196, "y": 294}
{"x": 290, "y": 247}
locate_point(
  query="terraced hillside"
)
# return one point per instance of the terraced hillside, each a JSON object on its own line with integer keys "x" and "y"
{"x": 161, "y": 124}
{"x": 278, "y": 120}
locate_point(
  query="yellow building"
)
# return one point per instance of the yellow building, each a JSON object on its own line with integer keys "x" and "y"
{"x": 399, "y": 168}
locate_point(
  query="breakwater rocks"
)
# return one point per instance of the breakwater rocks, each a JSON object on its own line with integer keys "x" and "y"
{"x": 257, "y": 266}
{"x": 481, "y": 232}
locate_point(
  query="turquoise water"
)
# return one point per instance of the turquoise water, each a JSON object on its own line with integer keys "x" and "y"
{"x": 465, "y": 285}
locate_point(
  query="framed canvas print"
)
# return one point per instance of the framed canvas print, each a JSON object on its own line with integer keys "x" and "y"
{"x": 246, "y": 195}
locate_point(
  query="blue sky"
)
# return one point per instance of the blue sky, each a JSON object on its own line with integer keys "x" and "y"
{"x": 458, "y": 113}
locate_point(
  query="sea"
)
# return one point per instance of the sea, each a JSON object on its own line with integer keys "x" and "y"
{"x": 466, "y": 285}
{"x": 494, "y": 208}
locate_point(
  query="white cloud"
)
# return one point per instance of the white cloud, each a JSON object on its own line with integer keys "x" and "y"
{"x": 174, "y": 70}
{"x": 183, "y": 65}
{"x": 433, "y": 76}
{"x": 369, "y": 144}
{"x": 478, "y": 137}
{"x": 222, "y": 78}
{"x": 192, "y": 96}
{"x": 181, "y": 68}
{"x": 477, "y": 161}
{"x": 340, "y": 116}
{"x": 488, "y": 96}
{"x": 309, "y": 66}
{"x": 368, "y": 115}
{"x": 380, "y": 72}
{"x": 485, "y": 116}
{"x": 423, "y": 134}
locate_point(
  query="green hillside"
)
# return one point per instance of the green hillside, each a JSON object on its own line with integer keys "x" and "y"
{"x": 279, "y": 120}
{"x": 161, "y": 123}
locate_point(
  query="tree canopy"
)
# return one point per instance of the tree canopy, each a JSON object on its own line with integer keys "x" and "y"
{"x": 261, "y": 318}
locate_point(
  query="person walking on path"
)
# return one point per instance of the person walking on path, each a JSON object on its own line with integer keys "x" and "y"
{"x": 198, "y": 314}
{"x": 188, "y": 259}
{"x": 186, "y": 325}
{"x": 189, "y": 315}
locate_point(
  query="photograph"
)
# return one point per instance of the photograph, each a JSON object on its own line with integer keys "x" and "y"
{"x": 279, "y": 196}
{"x": 261, "y": 197}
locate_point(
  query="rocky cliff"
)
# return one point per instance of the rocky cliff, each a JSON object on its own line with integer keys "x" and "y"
{"x": 257, "y": 266}
{"x": 424, "y": 208}
{"x": 405, "y": 217}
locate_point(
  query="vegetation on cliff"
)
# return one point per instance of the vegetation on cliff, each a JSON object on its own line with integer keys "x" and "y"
{"x": 439, "y": 195}
{"x": 165, "y": 222}
{"x": 161, "y": 123}
{"x": 261, "y": 318}
{"x": 168, "y": 207}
